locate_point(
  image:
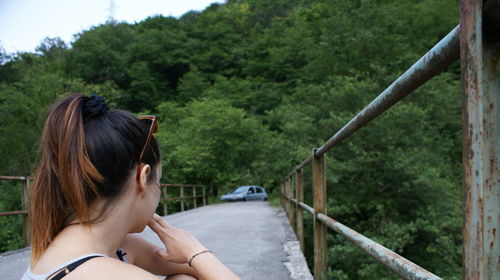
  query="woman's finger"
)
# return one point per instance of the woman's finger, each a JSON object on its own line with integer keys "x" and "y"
{"x": 153, "y": 225}
{"x": 159, "y": 230}
{"x": 160, "y": 221}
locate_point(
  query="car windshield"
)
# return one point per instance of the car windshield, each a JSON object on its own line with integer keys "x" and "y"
{"x": 240, "y": 190}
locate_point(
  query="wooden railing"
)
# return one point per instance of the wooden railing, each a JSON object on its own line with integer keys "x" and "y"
{"x": 477, "y": 43}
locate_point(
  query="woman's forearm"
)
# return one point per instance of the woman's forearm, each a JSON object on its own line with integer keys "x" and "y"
{"x": 183, "y": 247}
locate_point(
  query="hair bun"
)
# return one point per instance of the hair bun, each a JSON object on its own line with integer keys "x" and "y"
{"x": 94, "y": 107}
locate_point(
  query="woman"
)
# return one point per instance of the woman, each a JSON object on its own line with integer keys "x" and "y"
{"x": 98, "y": 181}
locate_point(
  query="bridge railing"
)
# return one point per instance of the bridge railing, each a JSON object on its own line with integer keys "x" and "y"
{"x": 182, "y": 198}
{"x": 479, "y": 51}
{"x": 26, "y": 182}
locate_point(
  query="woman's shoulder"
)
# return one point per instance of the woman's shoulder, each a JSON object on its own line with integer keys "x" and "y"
{"x": 108, "y": 268}
{"x": 133, "y": 240}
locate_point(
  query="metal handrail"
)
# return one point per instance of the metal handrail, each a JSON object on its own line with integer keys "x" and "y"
{"x": 478, "y": 51}
{"x": 182, "y": 185}
{"x": 13, "y": 213}
{"x": 443, "y": 54}
{"x": 13, "y": 178}
{"x": 24, "y": 203}
{"x": 395, "y": 262}
{"x": 24, "y": 195}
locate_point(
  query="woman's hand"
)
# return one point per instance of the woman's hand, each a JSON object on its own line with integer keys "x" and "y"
{"x": 180, "y": 245}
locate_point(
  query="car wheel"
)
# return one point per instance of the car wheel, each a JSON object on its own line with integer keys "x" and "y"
{"x": 265, "y": 199}
{"x": 244, "y": 199}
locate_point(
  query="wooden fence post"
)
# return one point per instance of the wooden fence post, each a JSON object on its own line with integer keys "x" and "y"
{"x": 165, "y": 210}
{"x": 182, "y": 198}
{"x": 319, "y": 203}
{"x": 299, "y": 195}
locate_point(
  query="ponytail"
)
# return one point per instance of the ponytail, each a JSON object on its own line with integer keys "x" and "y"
{"x": 65, "y": 180}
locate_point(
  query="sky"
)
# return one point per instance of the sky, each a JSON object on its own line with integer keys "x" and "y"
{"x": 25, "y": 23}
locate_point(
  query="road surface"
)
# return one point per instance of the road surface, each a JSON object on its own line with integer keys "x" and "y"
{"x": 252, "y": 238}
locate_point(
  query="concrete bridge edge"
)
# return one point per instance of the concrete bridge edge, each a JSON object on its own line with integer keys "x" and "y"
{"x": 296, "y": 263}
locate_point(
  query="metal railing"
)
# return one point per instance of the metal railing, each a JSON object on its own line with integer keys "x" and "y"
{"x": 24, "y": 203}
{"x": 479, "y": 54}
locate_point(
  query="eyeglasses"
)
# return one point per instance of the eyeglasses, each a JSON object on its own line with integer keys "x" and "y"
{"x": 152, "y": 122}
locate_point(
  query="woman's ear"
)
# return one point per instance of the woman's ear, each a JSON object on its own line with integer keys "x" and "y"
{"x": 143, "y": 178}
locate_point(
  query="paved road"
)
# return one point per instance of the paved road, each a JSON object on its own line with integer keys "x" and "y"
{"x": 253, "y": 239}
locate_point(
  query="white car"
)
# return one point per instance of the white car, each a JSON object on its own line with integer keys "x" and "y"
{"x": 246, "y": 193}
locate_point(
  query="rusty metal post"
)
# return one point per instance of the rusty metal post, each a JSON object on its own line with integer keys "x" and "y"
{"x": 204, "y": 195}
{"x": 165, "y": 210}
{"x": 287, "y": 203}
{"x": 25, "y": 205}
{"x": 194, "y": 197}
{"x": 319, "y": 204}
{"x": 292, "y": 204}
{"x": 289, "y": 195}
{"x": 299, "y": 195}
{"x": 282, "y": 192}
{"x": 182, "y": 198}
{"x": 480, "y": 65}
{"x": 285, "y": 199}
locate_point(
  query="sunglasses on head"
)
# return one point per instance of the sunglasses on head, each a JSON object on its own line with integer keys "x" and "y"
{"x": 152, "y": 123}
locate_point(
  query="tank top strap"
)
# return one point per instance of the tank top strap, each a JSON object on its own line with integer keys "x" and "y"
{"x": 72, "y": 266}
{"x": 31, "y": 275}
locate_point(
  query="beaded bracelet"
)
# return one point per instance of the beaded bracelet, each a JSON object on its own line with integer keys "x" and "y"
{"x": 202, "y": 252}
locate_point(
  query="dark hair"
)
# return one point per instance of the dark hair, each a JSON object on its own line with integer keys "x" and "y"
{"x": 86, "y": 152}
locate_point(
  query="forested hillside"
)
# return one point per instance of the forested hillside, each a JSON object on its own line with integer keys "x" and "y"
{"x": 244, "y": 91}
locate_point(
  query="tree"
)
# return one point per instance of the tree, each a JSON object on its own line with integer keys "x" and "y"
{"x": 100, "y": 54}
{"x": 211, "y": 142}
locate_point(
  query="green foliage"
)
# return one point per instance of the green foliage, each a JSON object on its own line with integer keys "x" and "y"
{"x": 210, "y": 141}
{"x": 246, "y": 89}
{"x": 100, "y": 54}
{"x": 11, "y": 235}
{"x": 11, "y": 227}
